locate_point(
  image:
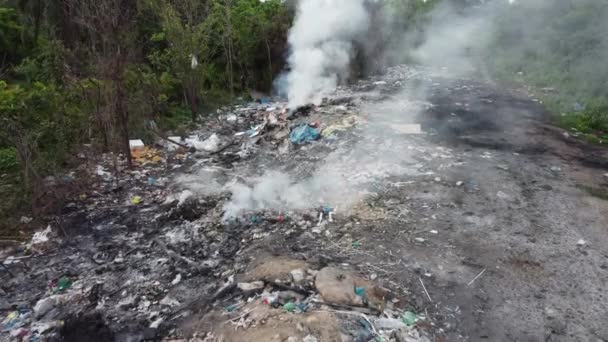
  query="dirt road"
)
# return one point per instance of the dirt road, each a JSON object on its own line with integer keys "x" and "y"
{"x": 513, "y": 201}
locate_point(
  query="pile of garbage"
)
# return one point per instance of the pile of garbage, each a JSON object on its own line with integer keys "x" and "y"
{"x": 330, "y": 304}
{"x": 149, "y": 254}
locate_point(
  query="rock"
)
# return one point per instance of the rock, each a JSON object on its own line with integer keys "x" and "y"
{"x": 337, "y": 286}
{"x": 310, "y": 338}
{"x": 274, "y": 268}
{"x": 127, "y": 303}
{"x": 169, "y": 301}
{"x": 149, "y": 333}
{"x": 256, "y": 285}
{"x": 297, "y": 275}
{"x": 503, "y": 196}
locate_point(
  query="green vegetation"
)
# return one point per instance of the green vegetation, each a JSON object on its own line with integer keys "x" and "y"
{"x": 560, "y": 47}
{"x": 99, "y": 72}
{"x": 595, "y": 192}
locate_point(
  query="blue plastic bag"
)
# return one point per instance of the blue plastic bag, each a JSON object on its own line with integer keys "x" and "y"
{"x": 303, "y": 133}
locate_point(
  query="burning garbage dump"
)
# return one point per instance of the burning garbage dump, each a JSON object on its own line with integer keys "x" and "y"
{"x": 332, "y": 222}
{"x": 173, "y": 248}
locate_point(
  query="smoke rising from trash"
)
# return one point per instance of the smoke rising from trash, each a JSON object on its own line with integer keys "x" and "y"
{"x": 321, "y": 43}
{"x": 453, "y": 40}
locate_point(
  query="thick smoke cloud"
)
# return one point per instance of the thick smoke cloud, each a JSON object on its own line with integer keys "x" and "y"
{"x": 540, "y": 38}
{"x": 321, "y": 43}
{"x": 560, "y": 44}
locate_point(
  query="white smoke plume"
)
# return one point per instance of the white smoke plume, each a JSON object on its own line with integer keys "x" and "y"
{"x": 321, "y": 46}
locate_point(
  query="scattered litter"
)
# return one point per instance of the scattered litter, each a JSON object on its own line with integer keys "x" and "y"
{"x": 581, "y": 242}
{"x": 136, "y": 145}
{"x": 290, "y": 307}
{"x": 425, "y": 290}
{"x": 211, "y": 144}
{"x": 135, "y": 200}
{"x": 255, "y": 131}
{"x": 147, "y": 156}
{"x": 343, "y": 126}
{"x": 25, "y": 219}
{"x": 177, "y": 279}
{"x": 63, "y": 284}
{"x": 41, "y": 236}
{"x": 409, "y": 318}
{"x": 476, "y": 277}
{"x": 231, "y": 118}
{"x": 302, "y": 134}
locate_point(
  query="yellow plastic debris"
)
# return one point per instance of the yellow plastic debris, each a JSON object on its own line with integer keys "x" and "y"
{"x": 147, "y": 155}
{"x": 344, "y": 125}
{"x": 135, "y": 200}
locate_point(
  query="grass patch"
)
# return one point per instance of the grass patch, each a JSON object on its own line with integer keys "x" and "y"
{"x": 595, "y": 192}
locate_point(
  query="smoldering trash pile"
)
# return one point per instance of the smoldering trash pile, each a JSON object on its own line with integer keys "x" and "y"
{"x": 246, "y": 230}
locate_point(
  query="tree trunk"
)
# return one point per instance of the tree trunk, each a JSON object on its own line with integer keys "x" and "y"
{"x": 269, "y": 64}
{"x": 230, "y": 44}
{"x": 123, "y": 115}
{"x": 193, "y": 100}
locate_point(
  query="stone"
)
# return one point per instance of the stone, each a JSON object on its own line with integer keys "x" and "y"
{"x": 297, "y": 275}
{"x": 310, "y": 338}
{"x": 256, "y": 285}
{"x": 127, "y": 303}
{"x": 337, "y": 286}
{"x": 149, "y": 333}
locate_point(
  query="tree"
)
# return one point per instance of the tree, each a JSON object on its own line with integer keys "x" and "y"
{"x": 11, "y": 32}
{"x": 183, "y": 25}
{"x": 108, "y": 25}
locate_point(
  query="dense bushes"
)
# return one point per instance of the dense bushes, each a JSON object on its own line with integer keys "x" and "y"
{"x": 102, "y": 71}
